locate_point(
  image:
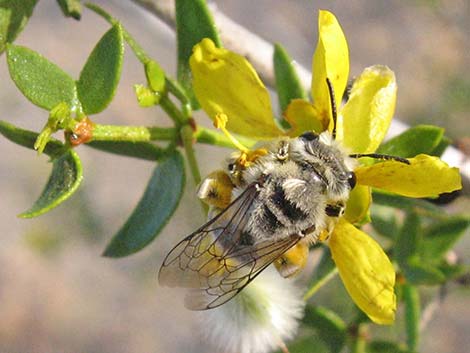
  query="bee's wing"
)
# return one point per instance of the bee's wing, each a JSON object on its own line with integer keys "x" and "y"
{"x": 215, "y": 262}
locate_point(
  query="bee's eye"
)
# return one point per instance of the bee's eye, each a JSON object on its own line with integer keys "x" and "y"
{"x": 309, "y": 136}
{"x": 352, "y": 180}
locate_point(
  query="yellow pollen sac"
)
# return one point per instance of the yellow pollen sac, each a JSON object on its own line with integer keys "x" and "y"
{"x": 324, "y": 235}
{"x": 216, "y": 189}
{"x": 249, "y": 157}
{"x": 293, "y": 260}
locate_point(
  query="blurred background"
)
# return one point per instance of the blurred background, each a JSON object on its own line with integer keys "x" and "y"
{"x": 57, "y": 294}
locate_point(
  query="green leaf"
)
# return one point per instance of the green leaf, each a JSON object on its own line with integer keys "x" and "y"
{"x": 412, "y": 315}
{"x": 415, "y": 140}
{"x": 193, "y": 23}
{"x": 288, "y": 85}
{"x": 329, "y": 326}
{"x": 307, "y": 344}
{"x": 324, "y": 267}
{"x": 419, "y": 273}
{"x": 441, "y": 147}
{"x": 451, "y": 272}
{"x": 66, "y": 174}
{"x": 154, "y": 209}
{"x": 101, "y": 73}
{"x": 27, "y": 139}
{"x": 440, "y": 237}
{"x": 385, "y": 347}
{"x": 155, "y": 76}
{"x": 146, "y": 96}
{"x": 59, "y": 118}
{"x": 142, "y": 150}
{"x": 71, "y": 8}
{"x": 404, "y": 203}
{"x": 14, "y": 15}
{"x": 384, "y": 221}
{"x": 408, "y": 238}
{"x": 64, "y": 180}
{"x": 41, "y": 81}
{"x": 324, "y": 272}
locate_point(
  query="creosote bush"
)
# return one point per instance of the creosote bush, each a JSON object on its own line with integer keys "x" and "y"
{"x": 392, "y": 198}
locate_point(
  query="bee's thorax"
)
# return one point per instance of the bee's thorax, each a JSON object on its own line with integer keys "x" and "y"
{"x": 305, "y": 183}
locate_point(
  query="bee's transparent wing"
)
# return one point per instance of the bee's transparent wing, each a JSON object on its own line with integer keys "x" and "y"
{"x": 215, "y": 262}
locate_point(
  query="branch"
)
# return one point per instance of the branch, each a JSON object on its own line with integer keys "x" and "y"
{"x": 260, "y": 53}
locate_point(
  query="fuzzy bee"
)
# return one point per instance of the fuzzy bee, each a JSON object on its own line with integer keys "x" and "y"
{"x": 267, "y": 207}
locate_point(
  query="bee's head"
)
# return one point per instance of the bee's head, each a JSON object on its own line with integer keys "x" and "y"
{"x": 351, "y": 180}
{"x": 309, "y": 136}
{"x": 323, "y": 157}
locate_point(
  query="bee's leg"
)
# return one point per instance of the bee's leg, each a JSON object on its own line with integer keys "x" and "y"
{"x": 333, "y": 211}
{"x": 216, "y": 189}
{"x": 293, "y": 260}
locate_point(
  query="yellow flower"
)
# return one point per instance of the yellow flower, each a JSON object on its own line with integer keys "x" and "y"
{"x": 225, "y": 83}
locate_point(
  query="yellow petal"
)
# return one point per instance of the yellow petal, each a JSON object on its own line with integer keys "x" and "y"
{"x": 225, "y": 82}
{"x": 357, "y": 208}
{"x": 302, "y": 116}
{"x": 366, "y": 272}
{"x": 331, "y": 59}
{"x": 426, "y": 176}
{"x": 365, "y": 118}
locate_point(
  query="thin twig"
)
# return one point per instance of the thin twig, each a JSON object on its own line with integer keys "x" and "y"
{"x": 327, "y": 278}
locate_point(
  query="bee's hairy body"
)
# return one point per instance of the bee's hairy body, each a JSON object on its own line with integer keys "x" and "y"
{"x": 266, "y": 207}
{"x": 299, "y": 181}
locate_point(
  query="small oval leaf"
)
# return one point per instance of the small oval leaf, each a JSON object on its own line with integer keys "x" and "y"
{"x": 14, "y": 14}
{"x": 330, "y": 327}
{"x": 40, "y": 81}
{"x": 408, "y": 239}
{"x": 27, "y": 139}
{"x": 405, "y": 203}
{"x": 64, "y": 180}
{"x": 416, "y": 140}
{"x": 412, "y": 301}
{"x": 160, "y": 199}
{"x": 71, "y": 8}
{"x": 421, "y": 273}
{"x": 101, "y": 73}
{"x": 309, "y": 343}
{"x": 142, "y": 150}
{"x": 385, "y": 347}
{"x": 441, "y": 236}
{"x": 66, "y": 173}
{"x": 288, "y": 85}
{"x": 384, "y": 221}
{"x": 155, "y": 76}
{"x": 441, "y": 147}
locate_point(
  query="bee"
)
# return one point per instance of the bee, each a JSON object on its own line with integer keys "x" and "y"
{"x": 267, "y": 207}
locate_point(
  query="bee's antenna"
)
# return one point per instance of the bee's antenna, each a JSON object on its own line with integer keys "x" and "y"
{"x": 333, "y": 106}
{"x": 381, "y": 156}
